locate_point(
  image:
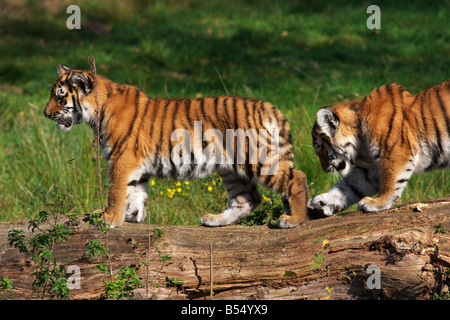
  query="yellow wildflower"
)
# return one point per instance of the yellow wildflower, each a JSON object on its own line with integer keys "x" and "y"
{"x": 210, "y": 188}
{"x": 325, "y": 243}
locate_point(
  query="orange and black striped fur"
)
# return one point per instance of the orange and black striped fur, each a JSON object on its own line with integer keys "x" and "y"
{"x": 381, "y": 140}
{"x": 143, "y": 137}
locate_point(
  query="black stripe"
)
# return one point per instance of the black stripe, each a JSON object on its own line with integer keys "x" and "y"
{"x": 146, "y": 109}
{"x": 227, "y": 117}
{"x": 121, "y": 89}
{"x": 108, "y": 89}
{"x": 415, "y": 99}
{"x": 267, "y": 179}
{"x": 173, "y": 169}
{"x": 216, "y": 111}
{"x": 235, "y": 113}
{"x": 159, "y": 146}
{"x": 136, "y": 144}
{"x": 402, "y": 130}
{"x": 90, "y": 82}
{"x": 202, "y": 106}
{"x": 154, "y": 117}
{"x": 144, "y": 178}
{"x": 291, "y": 173}
{"x": 76, "y": 105}
{"x": 260, "y": 113}
{"x": 136, "y": 113}
{"x": 422, "y": 113}
{"x": 247, "y": 115}
{"x": 441, "y": 105}
{"x": 184, "y": 116}
{"x": 434, "y": 159}
{"x": 435, "y": 124}
{"x": 159, "y": 166}
{"x": 389, "y": 90}
{"x": 187, "y": 111}
{"x": 102, "y": 118}
{"x": 113, "y": 150}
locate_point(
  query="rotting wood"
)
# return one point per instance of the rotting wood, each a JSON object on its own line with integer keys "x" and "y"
{"x": 265, "y": 263}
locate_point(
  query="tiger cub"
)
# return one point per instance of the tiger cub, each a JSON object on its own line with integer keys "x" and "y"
{"x": 381, "y": 140}
{"x": 243, "y": 140}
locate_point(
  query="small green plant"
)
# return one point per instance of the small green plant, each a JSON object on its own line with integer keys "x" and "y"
{"x": 175, "y": 282}
{"x": 51, "y": 227}
{"x": 267, "y": 212}
{"x": 119, "y": 286}
{"x": 439, "y": 229}
{"x": 157, "y": 234}
{"x": 319, "y": 256}
{"x": 123, "y": 284}
{"x": 165, "y": 260}
{"x": 5, "y": 285}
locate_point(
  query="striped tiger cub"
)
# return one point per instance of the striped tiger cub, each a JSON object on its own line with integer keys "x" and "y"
{"x": 243, "y": 140}
{"x": 380, "y": 141}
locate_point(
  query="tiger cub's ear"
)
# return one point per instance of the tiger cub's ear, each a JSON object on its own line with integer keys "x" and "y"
{"x": 82, "y": 82}
{"x": 327, "y": 121}
{"x": 62, "y": 69}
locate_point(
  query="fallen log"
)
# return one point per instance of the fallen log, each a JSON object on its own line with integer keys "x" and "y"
{"x": 401, "y": 253}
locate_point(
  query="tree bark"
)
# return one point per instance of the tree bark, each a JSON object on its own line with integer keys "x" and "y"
{"x": 339, "y": 257}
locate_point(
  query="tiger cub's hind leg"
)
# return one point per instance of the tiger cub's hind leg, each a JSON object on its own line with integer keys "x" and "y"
{"x": 291, "y": 184}
{"x": 243, "y": 196}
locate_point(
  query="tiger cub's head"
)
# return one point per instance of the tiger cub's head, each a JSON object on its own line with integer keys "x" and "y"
{"x": 68, "y": 104}
{"x": 334, "y": 137}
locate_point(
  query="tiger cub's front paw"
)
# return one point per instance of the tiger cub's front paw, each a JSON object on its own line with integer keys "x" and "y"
{"x": 321, "y": 207}
{"x": 369, "y": 204}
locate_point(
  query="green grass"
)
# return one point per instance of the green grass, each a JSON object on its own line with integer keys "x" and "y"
{"x": 297, "y": 55}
